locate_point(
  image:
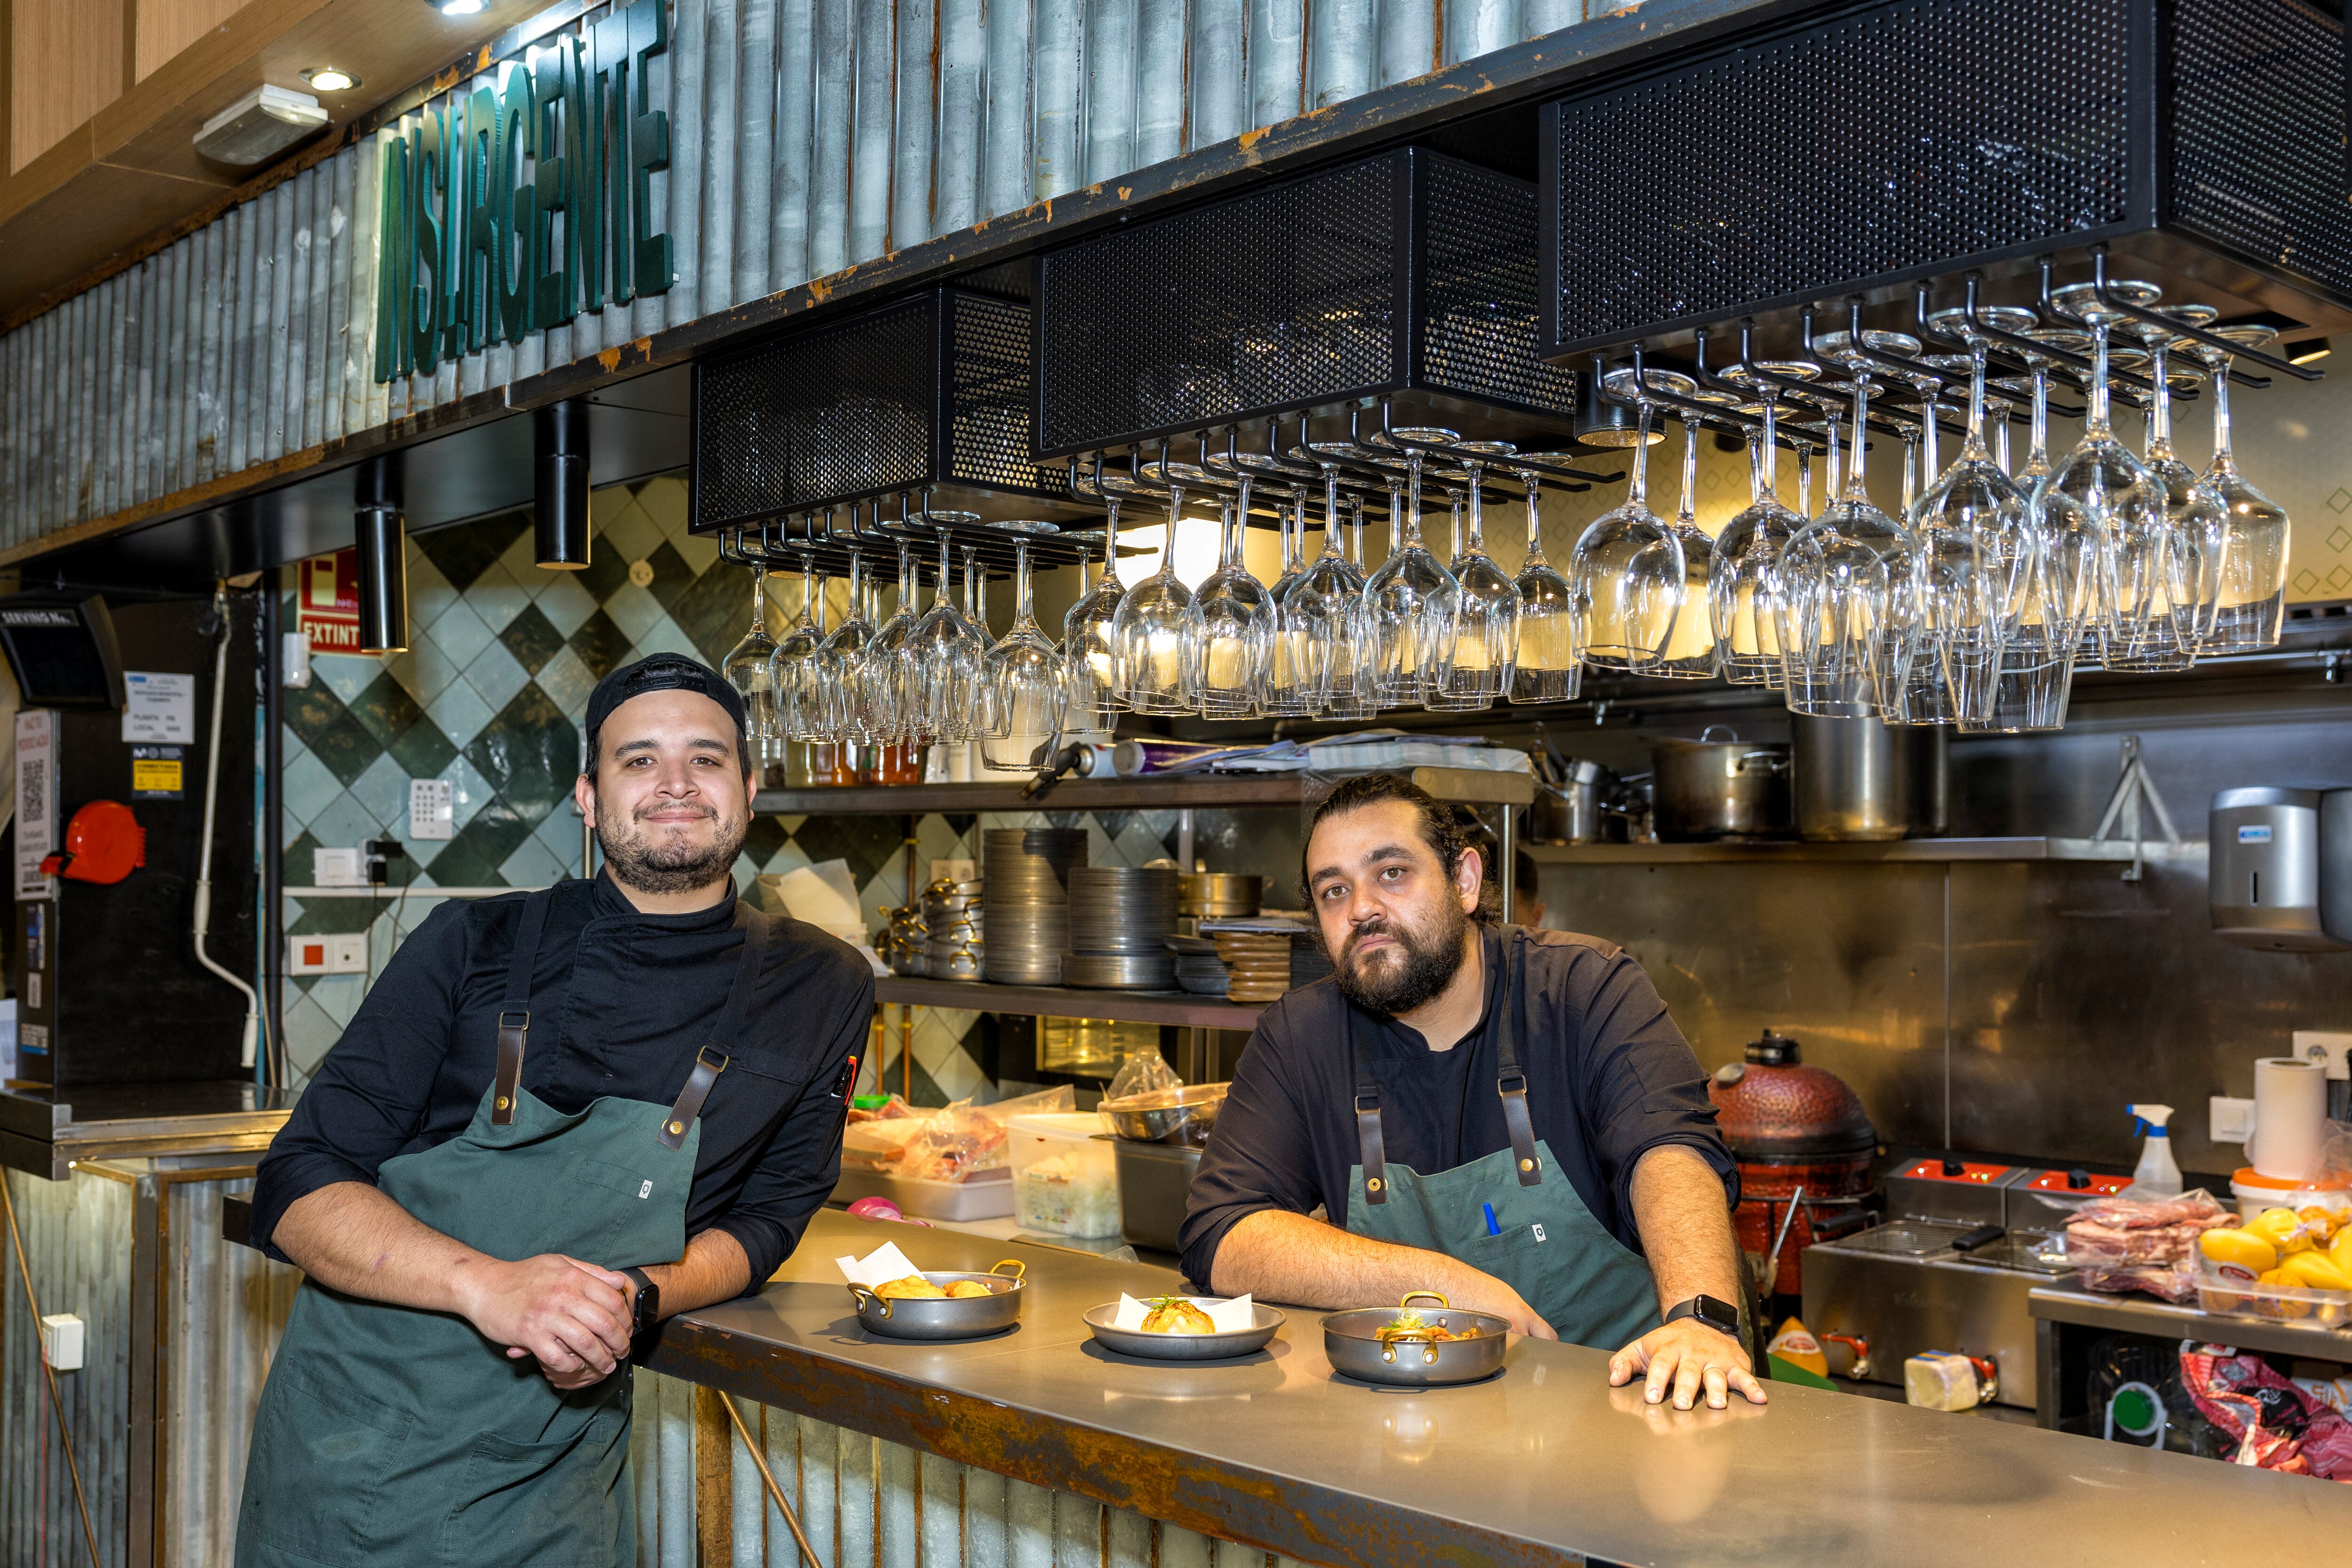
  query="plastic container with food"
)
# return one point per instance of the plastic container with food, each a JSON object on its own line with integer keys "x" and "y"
{"x": 2231, "y": 1288}
{"x": 1064, "y": 1179}
{"x": 2256, "y": 1191}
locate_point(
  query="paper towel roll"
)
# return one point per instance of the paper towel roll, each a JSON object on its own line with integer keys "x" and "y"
{"x": 2290, "y": 1117}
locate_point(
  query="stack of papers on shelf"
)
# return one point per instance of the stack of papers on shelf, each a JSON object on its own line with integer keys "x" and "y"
{"x": 1390, "y": 751}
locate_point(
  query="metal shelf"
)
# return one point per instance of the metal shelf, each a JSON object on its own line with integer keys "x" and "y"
{"x": 1907, "y": 849}
{"x": 1162, "y": 791}
{"x": 1182, "y": 1010}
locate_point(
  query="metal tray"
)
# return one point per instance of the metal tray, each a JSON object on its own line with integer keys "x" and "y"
{"x": 1265, "y": 1319}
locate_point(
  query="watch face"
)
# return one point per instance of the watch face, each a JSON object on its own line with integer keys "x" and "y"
{"x": 1718, "y": 1315}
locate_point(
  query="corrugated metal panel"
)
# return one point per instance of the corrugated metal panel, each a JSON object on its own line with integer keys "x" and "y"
{"x": 872, "y": 124}
{"x": 687, "y": 63}
{"x": 794, "y": 98}
{"x": 914, "y": 140}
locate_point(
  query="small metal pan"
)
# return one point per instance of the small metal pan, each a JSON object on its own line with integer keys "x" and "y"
{"x": 1351, "y": 1341}
{"x": 1264, "y": 1321}
{"x": 945, "y": 1318}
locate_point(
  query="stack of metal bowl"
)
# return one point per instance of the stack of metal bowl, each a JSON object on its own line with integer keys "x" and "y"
{"x": 1121, "y": 920}
{"x": 1212, "y": 895}
{"x": 953, "y": 945}
{"x": 1027, "y": 871}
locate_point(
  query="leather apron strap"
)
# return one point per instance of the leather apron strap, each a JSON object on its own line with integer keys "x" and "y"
{"x": 712, "y": 1059}
{"x": 514, "y": 1008}
{"x": 1371, "y": 1150}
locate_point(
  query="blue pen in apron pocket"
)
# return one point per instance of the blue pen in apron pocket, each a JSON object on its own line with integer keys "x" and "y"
{"x": 1492, "y": 1228}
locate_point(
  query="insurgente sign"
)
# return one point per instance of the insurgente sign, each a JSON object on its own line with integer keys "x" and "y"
{"x": 513, "y": 209}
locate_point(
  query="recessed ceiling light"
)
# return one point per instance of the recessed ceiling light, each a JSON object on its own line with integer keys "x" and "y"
{"x": 2307, "y": 351}
{"x": 327, "y": 78}
{"x": 456, "y": 7}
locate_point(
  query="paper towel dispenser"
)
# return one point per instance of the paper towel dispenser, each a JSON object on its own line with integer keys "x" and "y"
{"x": 2281, "y": 868}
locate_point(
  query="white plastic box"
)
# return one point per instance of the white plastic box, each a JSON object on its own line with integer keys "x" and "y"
{"x": 1064, "y": 1178}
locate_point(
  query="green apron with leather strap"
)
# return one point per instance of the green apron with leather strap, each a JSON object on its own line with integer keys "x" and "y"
{"x": 387, "y": 1435}
{"x": 1588, "y": 1286}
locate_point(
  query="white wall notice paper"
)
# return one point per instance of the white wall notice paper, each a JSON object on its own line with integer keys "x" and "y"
{"x": 37, "y": 800}
{"x": 159, "y": 709}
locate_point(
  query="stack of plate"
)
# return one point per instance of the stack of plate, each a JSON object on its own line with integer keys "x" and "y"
{"x": 1027, "y": 873}
{"x": 1210, "y": 895}
{"x": 1121, "y": 920}
{"x": 1257, "y": 964}
{"x": 1199, "y": 970}
{"x": 953, "y": 948}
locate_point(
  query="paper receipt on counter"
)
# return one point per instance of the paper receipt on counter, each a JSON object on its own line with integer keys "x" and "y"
{"x": 1232, "y": 1317}
{"x": 877, "y": 1268}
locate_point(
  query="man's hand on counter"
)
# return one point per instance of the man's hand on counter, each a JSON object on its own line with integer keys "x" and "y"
{"x": 1682, "y": 1358}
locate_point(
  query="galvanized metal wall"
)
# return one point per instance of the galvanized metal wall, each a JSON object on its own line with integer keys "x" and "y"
{"x": 807, "y": 135}
{"x": 869, "y": 1503}
{"x": 76, "y": 1240}
{"x": 228, "y": 1307}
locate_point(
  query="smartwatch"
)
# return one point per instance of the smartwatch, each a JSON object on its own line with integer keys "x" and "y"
{"x": 645, "y": 1305}
{"x": 1720, "y": 1316}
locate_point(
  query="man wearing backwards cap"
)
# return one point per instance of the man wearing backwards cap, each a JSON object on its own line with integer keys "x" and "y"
{"x": 557, "y": 1118}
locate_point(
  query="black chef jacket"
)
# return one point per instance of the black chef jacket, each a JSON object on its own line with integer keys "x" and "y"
{"x": 621, "y": 1003}
{"x": 1609, "y": 1079}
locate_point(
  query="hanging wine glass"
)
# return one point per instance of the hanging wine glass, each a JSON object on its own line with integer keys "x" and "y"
{"x": 748, "y": 668}
{"x": 2105, "y": 512}
{"x": 1089, "y": 653}
{"x": 1982, "y": 557}
{"x": 1149, "y": 631}
{"x": 798, "y": 711}
{"x": 1846, "y": 586}
{"x": 1484, "y": 612}
{"x": 1927, "y": 694}
{"x": 1022, "y": 675}
{"x": 1406, "y": 600}
{"x": 945, "y": 650}
{"x": 835, "y": 668}
{"x": 1627, "y": 570}
{"x": 2194, "y": 515}
{"x": 1747, "y": 552}
{"x": 1323, "y": 610}
{"x": 1298, "y": 666}
{"x": 1230, "y": 624}
{"x": 1547, "y": 660}
{"x": 1689, "y": 651}
{"x": 2249, "y": 571}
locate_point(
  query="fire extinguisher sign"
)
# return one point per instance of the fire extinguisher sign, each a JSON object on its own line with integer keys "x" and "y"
{"x": 327, "y": 601}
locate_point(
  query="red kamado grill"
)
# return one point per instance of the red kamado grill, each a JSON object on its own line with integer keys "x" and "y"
{"x": 1792, "y": 1126}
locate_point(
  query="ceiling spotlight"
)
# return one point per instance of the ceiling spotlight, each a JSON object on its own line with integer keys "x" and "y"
{"x": 2307, "y": 351}
{"x": 327, "y": 78}
{"x": 456, "y": 7}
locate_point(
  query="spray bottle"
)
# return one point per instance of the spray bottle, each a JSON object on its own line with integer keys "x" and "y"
{"x": 2156, "y": 1175}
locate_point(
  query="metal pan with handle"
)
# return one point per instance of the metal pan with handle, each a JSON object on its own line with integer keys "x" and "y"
{"x": 1354, "y": 1345}
{"x": 949, "y": 1317}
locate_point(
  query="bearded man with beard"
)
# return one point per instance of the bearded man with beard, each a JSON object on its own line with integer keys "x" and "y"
{"x": 1503, "y": 1115}
{"x": 557, "y": 1118}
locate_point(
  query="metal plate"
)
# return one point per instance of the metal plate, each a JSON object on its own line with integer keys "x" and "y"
{"x": 1265, "y": 1321}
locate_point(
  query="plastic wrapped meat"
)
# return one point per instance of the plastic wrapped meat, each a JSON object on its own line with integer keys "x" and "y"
{"x": 2150, "y": 1245}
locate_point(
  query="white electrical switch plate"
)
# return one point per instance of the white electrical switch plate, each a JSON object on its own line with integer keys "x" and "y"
{"x": 306, "y": 955}
{"x": 295, "y": 662}
{"x": 2233, "y": 1121}
{"x": 347, "y": 953}
{"x": 432, "y": 812}
{"x": 2332, "y": 1044}
{"x": 338, "y": 868}
{"x": 62, "y": 1336}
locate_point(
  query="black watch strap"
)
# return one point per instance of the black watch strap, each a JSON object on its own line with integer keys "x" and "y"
{"x": 1720, "y": 1316}
{"x": 645, "y": 1306}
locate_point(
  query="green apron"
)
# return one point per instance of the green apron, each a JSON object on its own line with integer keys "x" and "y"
{"x": 1588, "y": 1286}
{"x": 393, "y": 1436}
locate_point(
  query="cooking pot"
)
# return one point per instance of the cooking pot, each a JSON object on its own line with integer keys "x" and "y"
{"x": 1791, "y": 1126}
{"x": 1865, "y": 779}
{"x": 1351, "y": 1343}
{"x": 1571, "y": 811}
{"x": 1709, "y": 789}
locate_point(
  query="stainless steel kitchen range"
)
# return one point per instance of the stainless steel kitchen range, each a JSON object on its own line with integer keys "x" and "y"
{"x": 1176, "y": 785}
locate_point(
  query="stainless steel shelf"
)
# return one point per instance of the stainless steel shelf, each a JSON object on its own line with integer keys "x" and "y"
{"x": 1069, "y": 1001}
{"x": 1907, "y": 849}
{"x": 1071, "y": 795}
{"x": 2168, "y": 1321}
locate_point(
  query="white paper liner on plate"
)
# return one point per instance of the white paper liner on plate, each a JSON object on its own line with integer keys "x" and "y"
{"x": 1233, "y": 1317}
{"x": 877, "y": 1268}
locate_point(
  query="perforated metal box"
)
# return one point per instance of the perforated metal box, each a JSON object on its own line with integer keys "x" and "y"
{"x": 1860, "y": 151}
{"x": 928, "y": 392}
{"x": 1410, "y": 274}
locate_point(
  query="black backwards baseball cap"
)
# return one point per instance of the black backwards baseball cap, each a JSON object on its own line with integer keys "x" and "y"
{"x": 664, "y": 672}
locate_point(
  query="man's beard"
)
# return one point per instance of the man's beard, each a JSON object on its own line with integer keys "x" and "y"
{"x": 1422, "y": 964}
{"x": 660, "y": 864}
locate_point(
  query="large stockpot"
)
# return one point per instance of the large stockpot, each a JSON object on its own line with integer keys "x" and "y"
{"x": 945, "y": 1318}
{"x": 1352, "y": 1344}
{"x": 1864, "y": 779}
{"x": 1572, "y": 812}
{"x": 1710, "y": 789}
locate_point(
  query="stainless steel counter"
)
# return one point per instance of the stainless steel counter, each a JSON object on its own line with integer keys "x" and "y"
{"x": 45, "y": 1131}
{"x": 1542, "y": 1463}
